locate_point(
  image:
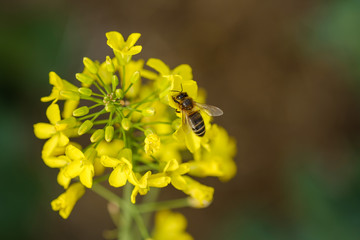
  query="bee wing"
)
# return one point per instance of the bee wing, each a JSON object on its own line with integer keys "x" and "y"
{"x": 210, "y": 110}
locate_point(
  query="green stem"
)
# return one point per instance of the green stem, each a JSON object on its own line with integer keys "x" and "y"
{"x": 131, "y": 84}
{"x": 94, "y": 106}
{"x": 140, "y": 128}
{"x": 91, "y": 115}
{"x": 151, "y": 123}
{"x": 108, "y": 195}
{"x": 91, "y": 99}
{"x": 98, "y": 114}
{"x": 140, "y": 223}
{"x": 108, "y": 90}
{"x": 99, "y": 88}
{"x": 101, "y": 122}
{"x": 151, "y": 197}
{"x": 156, "y": 206}
{"x": 124, "y": 231}
{"x": 123, "y": 78}
{"x": 101, "y": 179}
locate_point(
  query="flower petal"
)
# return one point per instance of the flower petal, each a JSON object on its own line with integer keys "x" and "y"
{"x": 53, "y": 113}
{"x": 118, "y": 177}
{"x": 115, "y": 40}
{"x": 50, "y": 146}
{"x": 63, "y": 140}
{"x": 107, "y": 161}
{"x": 184, "y": 70}
{"x": 74, "y": 153}
{"x": 62, "y": 179}
{"x": 86, "y": 176}
{"x": 55, "y": 80}
{"x": 134, "y": 50}
{"x": 132, "y": 39}
{"x": 44, "y": 130}
{"x": 66, "y": 201}
{"x": 56, "y": 162}
{"x": 158, "y": 65}
{"x": 69, "y": 107}
{"x": 74, "y": 169}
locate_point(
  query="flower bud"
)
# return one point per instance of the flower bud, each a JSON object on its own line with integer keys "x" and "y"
{"x": 85, "y": 127}
{"x": 90, "y": 65}
{"x": 119, "y": 93}
{"x": 109, "y": 65}
{"x": 135, "y": 77}
{"x": 109, "y": 133}
{"x": 84, "y": 78}
{"x": 81, "y": 111}
{"x": 115, "y": 82}
{"x": 109, "y": 107}
{"x": 126, "y": 123}
{"x": 71, "y": 95}
{"x": 85, "y": 91}
{"x": 97, "y": 135}
{"x": 148, "y": 112}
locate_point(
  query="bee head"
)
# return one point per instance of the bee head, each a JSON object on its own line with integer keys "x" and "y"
{"x": 181, "y": 96}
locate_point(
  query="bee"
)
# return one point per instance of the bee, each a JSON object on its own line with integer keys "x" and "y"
{"x": 190, "y": 111}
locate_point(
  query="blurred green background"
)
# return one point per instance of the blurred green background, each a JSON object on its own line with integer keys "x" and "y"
{"x": 286, "y": 73}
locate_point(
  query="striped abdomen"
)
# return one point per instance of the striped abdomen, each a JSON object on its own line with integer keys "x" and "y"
{"x": 197, "y": 123}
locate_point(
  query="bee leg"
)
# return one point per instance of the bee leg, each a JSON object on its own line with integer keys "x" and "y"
{"x": 175, "y": 100}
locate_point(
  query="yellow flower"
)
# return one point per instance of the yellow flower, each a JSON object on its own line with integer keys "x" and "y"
{"x": 170, "y": 226}
{"x": 163, "y": 79}
{"x": 57, "y": 130}
{"x": 158, "y": 180}
{"x": 59, "y": 85}
{"x": 184, "y": 70}
{"x": 81, "y": 164}
{"x": 201, "y": 193}
{"x": 66, "y": 201}
{"x": 152, "y": 144}
{"x": 218, "y": 160}
{"x": 122, "y": 166}
{"x": 123, "y": 50}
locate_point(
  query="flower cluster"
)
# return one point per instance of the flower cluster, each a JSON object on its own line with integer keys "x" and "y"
{"x": 136, "y": 137}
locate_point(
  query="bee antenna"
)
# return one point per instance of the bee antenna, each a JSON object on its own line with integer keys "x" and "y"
{"x": 181, "y": 87}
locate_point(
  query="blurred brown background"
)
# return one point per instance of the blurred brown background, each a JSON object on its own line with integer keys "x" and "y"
{"x": 286, "y": 73}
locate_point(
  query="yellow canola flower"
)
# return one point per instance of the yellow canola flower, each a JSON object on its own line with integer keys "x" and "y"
{"x": 59, "y": 85}
{"x": 122, "y": 166}
{"x": 57, "y": 130}
{"x": 66, "y": 201}
{"x": 170, "y": 226}
{"x": 162, "y": 81}
{"x": 123, "y": 50}
{"x": 81, "y": 165}
{"x": 218, "y": 160}
{"x": 152, "y": 144}
{"x": 158, "y": 180}
{"x": 110, "y": 149}
{"x": 201, "y": 193}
